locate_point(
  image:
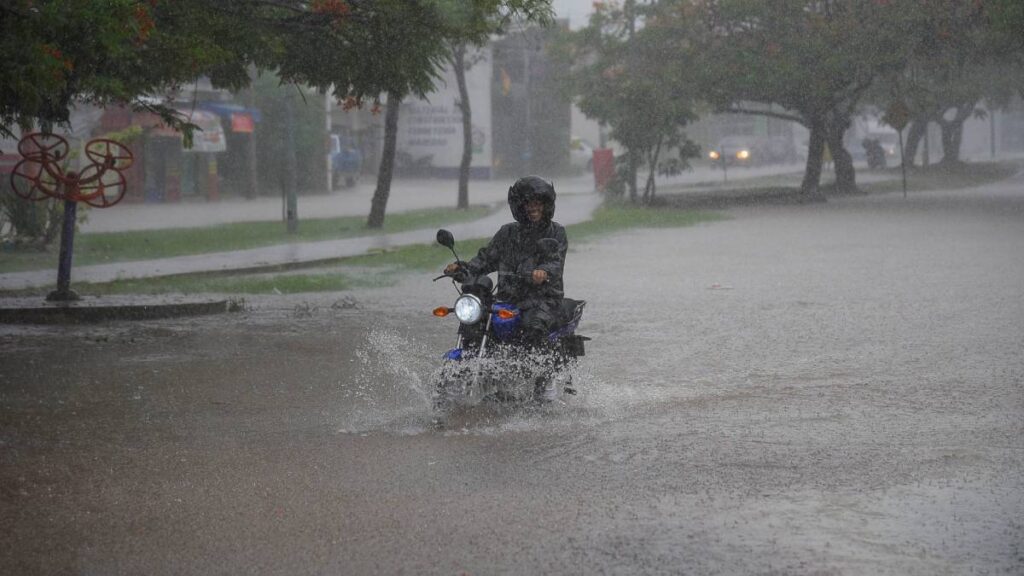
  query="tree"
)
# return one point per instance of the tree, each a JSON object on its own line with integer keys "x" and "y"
{"x": 119, "y": 52}
{"x": 460, "y": 65}
{"x": 412, "y": 63}
{"x": 813, "y": 58}
{"x": 961, "y": 56}
{"x": 479, "y": 21}
{"x": 122, "y": 51}
{"x": 621, "y": 79}
{"x": 56, "y": 52}
{"x": 420, "y": 43}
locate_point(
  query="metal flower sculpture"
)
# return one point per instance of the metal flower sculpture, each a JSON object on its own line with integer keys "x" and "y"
{"x": 41, "y": 175}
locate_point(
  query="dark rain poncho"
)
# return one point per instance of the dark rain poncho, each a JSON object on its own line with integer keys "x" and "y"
{"x": 513, "y": 253}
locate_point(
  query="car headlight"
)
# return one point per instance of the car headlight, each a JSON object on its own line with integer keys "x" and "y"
{"x": 713, "y": 155}
{"x": 469, "y": 309}
{"x": 743, "y": 154}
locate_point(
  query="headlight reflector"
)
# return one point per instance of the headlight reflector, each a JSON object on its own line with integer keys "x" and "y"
{"x": 468, "y": 309}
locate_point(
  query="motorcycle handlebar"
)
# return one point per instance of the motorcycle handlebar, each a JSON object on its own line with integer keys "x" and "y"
{"x": 459, "y": 275}
{"x": 462, "y": 275}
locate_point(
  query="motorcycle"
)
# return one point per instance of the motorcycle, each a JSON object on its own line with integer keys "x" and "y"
{"x": 491, "y": 361}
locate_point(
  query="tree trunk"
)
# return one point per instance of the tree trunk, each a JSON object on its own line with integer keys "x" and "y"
{"x": 815, "y": 152}
{"x": 846, "y": 180}
{"x": 649, "y": 187}
{"x": 952, "y": 137}
{"x": 631, "y": 169}
{"x": 953, "y": 132}
{"x": 252, "y": 188}
{"x": 387, "y": 163}
{"x": 916, "y": 133}
{"x": 459, "y": 63}
{"x": 291, "y": 164}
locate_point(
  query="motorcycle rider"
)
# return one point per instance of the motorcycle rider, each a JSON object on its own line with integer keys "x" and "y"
{"x": 527, "y": 276}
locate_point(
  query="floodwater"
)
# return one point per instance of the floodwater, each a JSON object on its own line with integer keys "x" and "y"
{"x": 824, "y": 389}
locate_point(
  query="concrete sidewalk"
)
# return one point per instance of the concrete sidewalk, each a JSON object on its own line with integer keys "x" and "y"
{"x": 576, "y": 203}
{"x": 405, "y": 195}
{"x": 572, "y": 209}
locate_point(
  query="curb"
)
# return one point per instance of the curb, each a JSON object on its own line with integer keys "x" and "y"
{"x": 86, "y": 313}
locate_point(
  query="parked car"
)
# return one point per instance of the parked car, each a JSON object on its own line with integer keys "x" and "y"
{"x": 890, "y": 144}
{"x": 581, "y": 155}
{"x": 346, "y": 161}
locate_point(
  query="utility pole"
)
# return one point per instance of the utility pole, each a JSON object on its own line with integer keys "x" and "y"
{"x": 992, "y": 131}
{"x": 253, "y": 179}
{"x": 291, "y": 210}
{"x": 327, "y": 115}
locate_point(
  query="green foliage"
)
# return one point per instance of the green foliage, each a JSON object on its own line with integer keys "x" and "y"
{"x": 947, "y": 177}
{"x": 621, "y": 79}
{"x": 381, "y": 267}
{"x": 56, "y": 51}
{"x": 961, "y": 55}
{"x": 806, "y": 56}
{"x": 32, "y": 225}
{"x": 418, "y": 257}
{"x": 614, "y": 217}
{"x": 27, "y": 223}
{"x": 1006, "y": 18}
{"x": 118, "y": 51}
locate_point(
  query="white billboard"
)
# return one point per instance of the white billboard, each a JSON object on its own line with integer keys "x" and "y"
{"x": 430, "y": 130}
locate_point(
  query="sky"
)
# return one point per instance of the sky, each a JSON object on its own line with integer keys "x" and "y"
{"x": 576, "y": 11}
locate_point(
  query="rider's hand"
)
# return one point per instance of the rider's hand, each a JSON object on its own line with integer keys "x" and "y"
{"x": 452, "y": 268}
{"x": 539, "y": 276}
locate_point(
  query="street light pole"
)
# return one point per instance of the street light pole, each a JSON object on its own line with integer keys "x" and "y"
{"x": 64, "y": 293}
{"x": 291, "y": 169}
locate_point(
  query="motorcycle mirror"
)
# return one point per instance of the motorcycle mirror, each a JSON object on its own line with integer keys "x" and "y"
{"x": 445, "y": 238}
{"x": 548, "y": 246}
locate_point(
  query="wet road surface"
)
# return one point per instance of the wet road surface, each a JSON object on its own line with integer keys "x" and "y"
{"x": 823, "y": 389}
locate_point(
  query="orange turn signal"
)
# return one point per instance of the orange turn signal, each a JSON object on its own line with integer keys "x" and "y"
{"x": 441, "y": 311}
{"x": 506, "y": 314}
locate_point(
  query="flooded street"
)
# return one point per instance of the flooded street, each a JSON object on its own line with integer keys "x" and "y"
{"x": 825, "y": 389}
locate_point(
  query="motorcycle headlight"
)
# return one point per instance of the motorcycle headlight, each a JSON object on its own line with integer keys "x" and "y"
{"x": 469, "y": 309}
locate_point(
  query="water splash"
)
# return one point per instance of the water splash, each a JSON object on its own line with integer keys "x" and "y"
{"x": 391, "y": 392}
{"x": 396, "y": 380}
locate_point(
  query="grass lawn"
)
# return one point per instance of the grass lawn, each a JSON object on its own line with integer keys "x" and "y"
{"x": 377, "y": 268}
{"x": 381, "y": 268}
{"x": 108, "y": 247}
{"x": 944, "y": 178}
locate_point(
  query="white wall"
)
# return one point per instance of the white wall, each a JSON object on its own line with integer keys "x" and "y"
{"x": 433, "y": 126}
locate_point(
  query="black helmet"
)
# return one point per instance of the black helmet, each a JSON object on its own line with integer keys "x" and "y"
{"x": 531, "y": 188}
